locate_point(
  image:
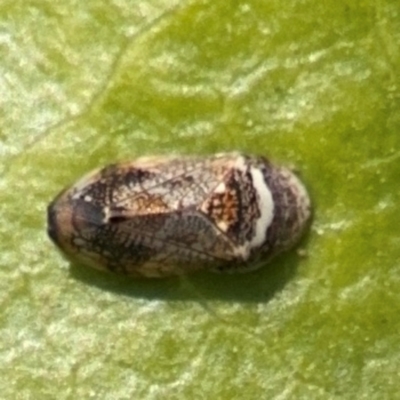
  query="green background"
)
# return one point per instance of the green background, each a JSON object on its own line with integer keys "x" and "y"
{"x": 314, "y": 84}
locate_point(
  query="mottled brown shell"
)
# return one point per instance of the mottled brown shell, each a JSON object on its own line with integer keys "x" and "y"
{"x": 164, "y": 216}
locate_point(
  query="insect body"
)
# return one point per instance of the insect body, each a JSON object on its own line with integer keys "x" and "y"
{"x": 163, "y": 216}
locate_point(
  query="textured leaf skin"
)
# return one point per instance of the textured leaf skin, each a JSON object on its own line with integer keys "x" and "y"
{"x": 308, "y": 84}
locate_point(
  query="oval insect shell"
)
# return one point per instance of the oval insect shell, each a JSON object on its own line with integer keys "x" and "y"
{"x": 163, "y": 216}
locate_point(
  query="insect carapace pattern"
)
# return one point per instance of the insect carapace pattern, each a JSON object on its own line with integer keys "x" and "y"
{"x": 162, "y": 216}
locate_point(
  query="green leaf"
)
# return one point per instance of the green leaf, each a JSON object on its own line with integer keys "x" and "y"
{"x": 310, "y": 84}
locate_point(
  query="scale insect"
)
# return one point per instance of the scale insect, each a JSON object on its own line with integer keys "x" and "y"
{"x": 163, "y": 216}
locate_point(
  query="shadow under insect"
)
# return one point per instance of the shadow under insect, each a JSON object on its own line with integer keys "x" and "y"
{"x": 258, "y": 286}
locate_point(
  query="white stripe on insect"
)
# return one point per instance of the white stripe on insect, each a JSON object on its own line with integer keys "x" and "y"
{"x": 266, "y": 206}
